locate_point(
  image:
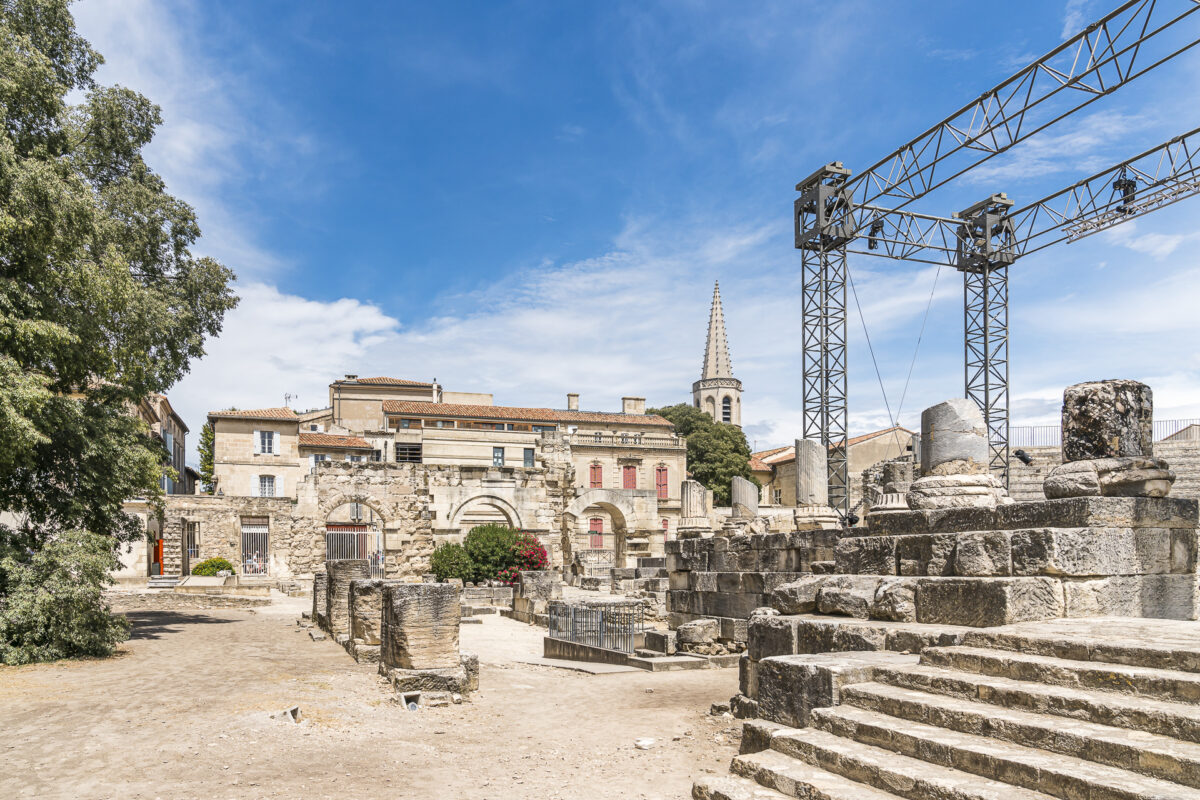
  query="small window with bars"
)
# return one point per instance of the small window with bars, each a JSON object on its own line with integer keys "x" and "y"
{"x": 266, "y": 485}
{"x": 191, "y": 538}
{"x": 408, "y": 453}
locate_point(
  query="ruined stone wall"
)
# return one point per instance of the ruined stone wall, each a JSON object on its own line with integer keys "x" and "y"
{"x": 1025, "y": 481}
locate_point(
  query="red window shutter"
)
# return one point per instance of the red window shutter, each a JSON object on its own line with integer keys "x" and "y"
{"x": 596, "y": 476}
{"x": 596, "y": 526}
{"x": 660, "y": 482}
{"x": 630, "y": 474}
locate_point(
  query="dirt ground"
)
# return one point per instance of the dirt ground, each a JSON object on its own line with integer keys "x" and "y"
{"x": 184, "y": 712}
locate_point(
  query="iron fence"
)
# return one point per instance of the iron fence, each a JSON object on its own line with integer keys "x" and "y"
{"x": 356, "y": 544}
{"x": 595, "y": 561}
{"x": 1173, "y": 430}
{"x": 612, "y": 626}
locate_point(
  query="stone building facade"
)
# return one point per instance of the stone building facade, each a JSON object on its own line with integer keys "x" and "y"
{"x": 392, "y": 469}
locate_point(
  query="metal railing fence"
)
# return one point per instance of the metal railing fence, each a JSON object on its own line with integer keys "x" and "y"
{"x": 612, "y": 626}
{"x": 1175, "y": 430}
{"x": 595, "y": 562}
{"x": 356, "y": 544}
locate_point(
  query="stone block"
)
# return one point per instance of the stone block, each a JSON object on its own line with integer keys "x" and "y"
{"x": 895, "y": 600}
{"x": 320, "y": 594}
{"x": 790, "y": 687}
{"x": 983, "y": 553}
{"x": 1184, "y": 542}
{"x": 747, "y": 676}
{"x": 661, "y": 641}
{"x": 729, "y": 582}
{"x": 1154, "y": 596}
{"x": 986, "y": 602}
{"x": 898, "y": 523}
{"x": 366, "y": 611}
{"x": 734, "y": 630}
{"x": 1092, "y": 551}
{"x": 798, "y": 597}
{"x": 957, "y": 520}
{"x": 702, "y": 581}
{"x": 420, "y": 626}
{"x": 539, "y": 585}
{"x": 720, "y": 604}
{"x": 1101, "y": 512}
{"x": 1131, "y": 476}
{"x": 866, "y": 555}
{"x": 926, "y": 554}
{"x": 337, "y": 601}
{"x": 934, "y": 492}
{"x": 848, "y": 595}
{"x": 700, "y": 631}
{"x": 772, "y": 636}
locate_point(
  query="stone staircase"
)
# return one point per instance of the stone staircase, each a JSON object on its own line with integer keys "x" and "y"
{"x": 999, "y": 717}
{"x": 162, "y": 582}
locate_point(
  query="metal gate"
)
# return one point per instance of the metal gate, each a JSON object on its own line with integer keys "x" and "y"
{"x": 355, "y": 540}
{"x": 256, "y": 546}
{"x": 612, "y": 626}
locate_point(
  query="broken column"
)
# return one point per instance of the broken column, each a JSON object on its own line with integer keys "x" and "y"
{"x": 744, "y": 495}
{"x": 337, "y": 602}
{"x": 320, "y": 592}
{"x": 366, "y": 619}
{"x": 955, "y": 460}
{"x": 693, "y": 521}
{"x": 1108, "y": 444}
{"x": 419, "y": 652}
{"x": 897, "y": 478}
{"x": 812, "y": 488}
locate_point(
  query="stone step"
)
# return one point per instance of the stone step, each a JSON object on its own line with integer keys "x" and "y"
{"x": 884, "y": 769}
{"x": 795, "y": 778}
{"x": 1146, "y": 753}
{"x": 1178, "y": 720}
{"x": 1164, "y": 684}
{"x": 1135, "y": 642}
{"x": 1054, "y": 774}
{"x": 729, "y": 787}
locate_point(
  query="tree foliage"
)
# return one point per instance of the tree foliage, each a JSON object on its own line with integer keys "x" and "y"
{"x": 451, "y": 561}
{"x": 54, "y": 606}
{"x": 491, "y": 549}
{"x": 716, "y": 451}
{"x": 211, "y": 566}
{"x": 205, "y": 450}
{"x": 101, "y": 300}
{"x": 101, "y": 303}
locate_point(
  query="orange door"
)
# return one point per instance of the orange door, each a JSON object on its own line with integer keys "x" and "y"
{"x": 158, "y": 555}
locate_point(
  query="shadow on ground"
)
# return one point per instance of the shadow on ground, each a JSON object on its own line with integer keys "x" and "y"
{"x": 155, "y": 624}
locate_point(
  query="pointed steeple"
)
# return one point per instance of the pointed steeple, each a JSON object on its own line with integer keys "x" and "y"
{"x": 716, "y": 349}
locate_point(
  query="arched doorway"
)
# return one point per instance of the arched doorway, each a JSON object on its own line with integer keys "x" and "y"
{"x": 484, "y": 510}
{"x": 595, "y": 530}
{"x": 355, "y": 530}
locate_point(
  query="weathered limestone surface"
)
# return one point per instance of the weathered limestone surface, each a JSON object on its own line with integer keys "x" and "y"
{"x": 337, "y": 602}
{"x": 320, "y": 593}
{"x": 420, "y": 626}
{"x": 953, "y": 439}
{"x": 956, "y": 491}
{"x": 812, "y": 474}
{"x": 988, "y": 602}
{"x": 539, "y": 585}
{"x": 1129, "y": 476}
{"x": 791, "y": 687}
{"x": 366, "y": 611}
{"x": 745, "y": 498}
{"x": 1107, "y": 419}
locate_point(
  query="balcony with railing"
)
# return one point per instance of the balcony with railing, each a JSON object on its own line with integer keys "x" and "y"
{"x": 627, "y": 440}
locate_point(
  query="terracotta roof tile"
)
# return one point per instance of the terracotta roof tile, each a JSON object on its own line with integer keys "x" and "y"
{"x": 463, "y": 411}
{"x": 332, "y": 441}
{"x": 791, "y": 456}
{"x": 257, "y": 413}
{"x": 385, "y": 381}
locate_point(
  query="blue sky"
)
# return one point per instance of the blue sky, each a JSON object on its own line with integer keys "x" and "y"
{"x": 535, "y": 198}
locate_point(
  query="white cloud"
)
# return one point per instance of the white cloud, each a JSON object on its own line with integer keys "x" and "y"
{"x": 1074, "y": 17}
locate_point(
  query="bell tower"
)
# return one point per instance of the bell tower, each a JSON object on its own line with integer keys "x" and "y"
{"x": 718, "y": 393}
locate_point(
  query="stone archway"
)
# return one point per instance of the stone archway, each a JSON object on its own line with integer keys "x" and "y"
{"x": 481, "y": 509}
{"x": 619, "y": 510}
{"x": 354, "y": 529}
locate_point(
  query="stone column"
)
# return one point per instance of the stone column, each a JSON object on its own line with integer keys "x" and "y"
{"x": 954, "y": 460}
{"x": 744, "y": 496}
{"x": 420, "y": 626}
{"x": 812, "y": 474}
{"x": 337, "y": 603}
{"x": 693, "y": 521}
{"x": 366, "y": 611}
{"x": 1108, "y": 444}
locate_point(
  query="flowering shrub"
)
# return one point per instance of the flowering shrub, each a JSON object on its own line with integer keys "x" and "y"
{"x": 528, "y": 553}
{"x": 212, "y": 566}
{"x": 498, "y": 552}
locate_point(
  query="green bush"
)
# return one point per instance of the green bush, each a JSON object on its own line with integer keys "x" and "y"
{"x": 492, "y": 549}
{"x": 451, "y": 561}
{"x": 54, "y": 603}
{"x": 211, "y": 567}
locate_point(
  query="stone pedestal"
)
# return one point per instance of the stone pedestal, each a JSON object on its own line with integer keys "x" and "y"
{"x": 1108, "y": 444}
{"x": 319, "y": 594}
{"x": 337, "y": 602}
{"x": 420, "y": 626}
{"x": 812, "y": 518}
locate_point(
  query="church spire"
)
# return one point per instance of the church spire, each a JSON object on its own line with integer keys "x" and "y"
{"x": 716, "y": 349}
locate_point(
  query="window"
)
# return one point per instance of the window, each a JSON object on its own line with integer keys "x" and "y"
{"x": 529, "y": 457}
{"x": 596, "y": 476}
{"x": 266, "y": 485}
{"x": 497, "y": 456}
{"x": 266, "y": 442}
{"x": 191, "y": 538}
{"x": 629, "y": 476}
{"x": 660, "y": 482}
{"x": 316, "y": 458}
{"x": 544, "y": 428}
{"x": 665, "y": 525}
{"x": 355, "y": 459}
{"x": 314, "y": 427}
{"x": 256, "y": 546}
{"x": 779, "y": 497}
{"x": 727, "y": 410}
{"x": 377, "y": 455}
{"x": 408, "y": 453}
{"x": 597, "y": 437}
{"x": 596, "y": 528}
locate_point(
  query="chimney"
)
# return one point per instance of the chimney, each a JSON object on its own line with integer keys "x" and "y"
{"x": 350, "y": 377}
{"x": 633, "y": 405}
{"x": 572, "y": 402}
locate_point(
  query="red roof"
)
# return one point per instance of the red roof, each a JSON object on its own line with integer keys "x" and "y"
{"x": 463, "y": 411}
{"x": 330, "y": 440}
{"x": 385, "y": 381}
{"x": 256, "y": 413}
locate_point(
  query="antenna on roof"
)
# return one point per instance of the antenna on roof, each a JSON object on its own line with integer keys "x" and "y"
{"x": 288, "y": 397}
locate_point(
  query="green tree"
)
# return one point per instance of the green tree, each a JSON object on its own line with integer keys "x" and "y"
{"x": 205, "y": 450}
{"x": 101, "y": 299}
{"x": 716, "y": 452}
